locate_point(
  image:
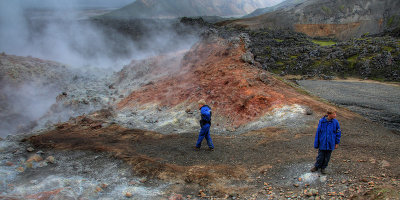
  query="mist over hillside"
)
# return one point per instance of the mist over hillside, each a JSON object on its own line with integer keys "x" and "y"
{"x": 287, "y": 4}
{"x": 86, "y": 48}
{"x": 56, "y": 33}
{"x": 182, "y": 8}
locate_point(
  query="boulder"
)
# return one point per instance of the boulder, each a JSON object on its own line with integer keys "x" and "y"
{"x": 35, "y": 158}
{"x": 50, "y": 159}
{"x": 128, "y": 195}
{"x": 248, "y": 57}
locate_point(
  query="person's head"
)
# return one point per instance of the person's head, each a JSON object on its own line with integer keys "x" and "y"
{"x": 331, "y": 113}
{"x": 201, "y": 103}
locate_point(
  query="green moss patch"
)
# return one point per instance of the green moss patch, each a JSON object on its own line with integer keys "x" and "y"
{"x": 342, "y": 8}
{"x": 352, "y": 59}
{"x": 324, "y": 43}
{"x": 388, "y": 49}
{"x": 326, "y": 10}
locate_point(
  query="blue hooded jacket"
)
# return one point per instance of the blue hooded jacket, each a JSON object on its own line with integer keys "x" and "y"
{"x": 328, "y": 134}
{"x": 205, "y": 115}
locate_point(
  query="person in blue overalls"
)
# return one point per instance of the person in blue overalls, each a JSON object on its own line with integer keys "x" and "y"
{"x": 327, "y": 138}
{"x": 205, "y": 124}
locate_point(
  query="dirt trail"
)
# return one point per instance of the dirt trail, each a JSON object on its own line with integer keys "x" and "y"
{"x": 242, "y": 164}
{"x": 376, "y": 101}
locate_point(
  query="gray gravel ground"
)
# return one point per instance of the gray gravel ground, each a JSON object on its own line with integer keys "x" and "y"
{"x": 377, "y": 102}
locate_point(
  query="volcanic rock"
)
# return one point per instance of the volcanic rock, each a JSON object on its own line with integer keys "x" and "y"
{"x": 385, "y": 164}
{"x": 35, "y": 158}
{"x": 236, "y": 91}
{"x": 248, "y": 57}
{"x": 51, "y": 159}
{"x": 176, "y": 197}
{"x": 340, "y": 19}
{"x": 128, "y": 195}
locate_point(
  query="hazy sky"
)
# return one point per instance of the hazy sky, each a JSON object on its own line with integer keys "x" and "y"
{"x": 74, "y": 3}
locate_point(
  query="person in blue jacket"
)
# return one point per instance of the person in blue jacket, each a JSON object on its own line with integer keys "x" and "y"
{"x": 327, "y": 138}
{"x": 205, "y": 124}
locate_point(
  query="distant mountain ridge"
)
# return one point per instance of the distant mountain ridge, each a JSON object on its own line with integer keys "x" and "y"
{"x": 188, "y": 8}
{"x": 288, "y": 4}
{"x": 341, "y": 19}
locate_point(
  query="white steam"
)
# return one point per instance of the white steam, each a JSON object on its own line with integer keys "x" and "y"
{"x": 52, "y": 30}
{"x": 24, "y": 105}
{"x": 56, "y": 30}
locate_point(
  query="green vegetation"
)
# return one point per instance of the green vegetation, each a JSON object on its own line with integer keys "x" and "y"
{"x": 361, "y": 57}
{"x": 324, "y": 43}
{"x": 390, "y": 21}
{"x": 368, "y": 58}
{"x": 393, "y": 21}
{"x": 326, "y": 10}
{"x": 388, "y": 49}
{"x": 352, "y": 59}
{"x": 341, "y": 8}
{"x": 316, "y": 64}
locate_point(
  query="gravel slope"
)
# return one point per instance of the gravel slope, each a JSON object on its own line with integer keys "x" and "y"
{"x": 378, "y": 102}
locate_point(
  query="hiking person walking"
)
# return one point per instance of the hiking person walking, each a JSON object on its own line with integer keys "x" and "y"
{"x": 327, "y": 138}
{"x": 205, "y": 124}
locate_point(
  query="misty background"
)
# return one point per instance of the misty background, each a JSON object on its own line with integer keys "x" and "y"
{"x": 62, "y": 31}
{"x": 66, "y": 32}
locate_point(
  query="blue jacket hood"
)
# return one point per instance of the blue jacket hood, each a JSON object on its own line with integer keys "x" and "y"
{"x": 205, "y": 113}
{"x": 328, "y": 134}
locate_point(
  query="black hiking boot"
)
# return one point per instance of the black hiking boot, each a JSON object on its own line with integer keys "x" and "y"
{"x": 314, "y": 169}
{"x": 196, "y": 148}
{"x": 211, "y": 149}
{"x": 323, "y": 171}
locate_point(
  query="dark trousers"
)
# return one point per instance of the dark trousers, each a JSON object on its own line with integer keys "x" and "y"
{"x": 323, "y": 158}
{"x": 205, "y": 133}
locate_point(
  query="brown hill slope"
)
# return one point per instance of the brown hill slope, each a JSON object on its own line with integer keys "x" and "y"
{"x": 238, "y": 92}
{"x": 339, "y": 18}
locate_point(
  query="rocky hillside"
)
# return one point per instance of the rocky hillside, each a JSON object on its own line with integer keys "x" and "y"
{"x": 160, "y": 93}
{"x": 184, "y": 8}
{"x": 339, "y": 18}
{"x": 287, "y": 5}
{"x": 222, "y": 72}
{"x": 286, "y": 52}
{"x": 291, "y": 53}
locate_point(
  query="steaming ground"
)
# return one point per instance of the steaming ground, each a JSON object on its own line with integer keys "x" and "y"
{"x": 101, "y": 153}
{"x": 132, "y": 132}
{"x": 267, "y": 163}
{"x": 91, "y": 51}
{"x": 89, "y": 175}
